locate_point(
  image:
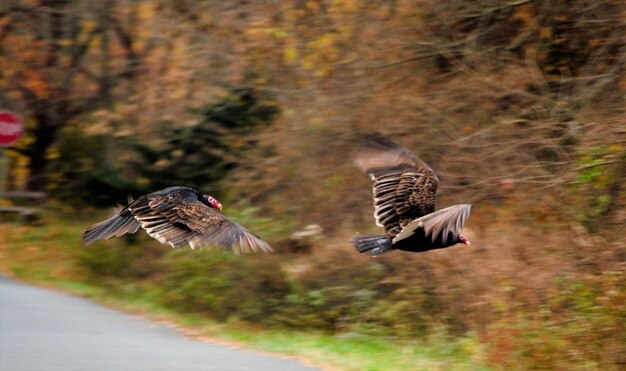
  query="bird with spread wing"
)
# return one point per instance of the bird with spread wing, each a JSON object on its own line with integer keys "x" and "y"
{"x": 404, "y": 193}
{"x": 178, "y": 216}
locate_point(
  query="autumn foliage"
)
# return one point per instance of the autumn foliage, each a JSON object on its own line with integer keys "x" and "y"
{"x": 517, "y": 105}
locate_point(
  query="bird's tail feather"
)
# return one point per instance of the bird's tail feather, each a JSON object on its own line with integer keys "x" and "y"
{"x": 116, "y": 226}
{"x": 372, "y": 244}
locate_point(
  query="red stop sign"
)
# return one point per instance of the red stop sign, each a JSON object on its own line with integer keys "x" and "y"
{"x": 11, "y": 128}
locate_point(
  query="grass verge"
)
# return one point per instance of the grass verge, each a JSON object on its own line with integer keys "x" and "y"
{"x": 47, "y": 255}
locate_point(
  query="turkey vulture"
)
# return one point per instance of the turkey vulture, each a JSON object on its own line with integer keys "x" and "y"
{"x": 178, "y": 216}
{"x": 404, "y": 202}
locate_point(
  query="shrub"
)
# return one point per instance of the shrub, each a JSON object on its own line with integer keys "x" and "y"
{"x": 583, "y": 325}
{"x": 223, "y": 285}
{"x": 121, "y": 259}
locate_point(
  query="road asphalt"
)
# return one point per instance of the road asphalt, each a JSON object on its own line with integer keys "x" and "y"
{"x": 43, "y": 330}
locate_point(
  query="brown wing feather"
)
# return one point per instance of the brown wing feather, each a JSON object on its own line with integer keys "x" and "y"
{"x": 214, "y": 228}
{"x": 154, "y": 212}
{"x": 404, "y": 186}
{"x": 117, "y": 225}
{"x": 178, "y": 220}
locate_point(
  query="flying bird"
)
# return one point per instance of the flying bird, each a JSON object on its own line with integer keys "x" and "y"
{"x": 178, "y": 216}
{"x": 404, "y": 193}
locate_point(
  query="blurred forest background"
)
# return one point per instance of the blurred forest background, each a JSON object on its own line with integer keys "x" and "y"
{"x": 519, "y": 106}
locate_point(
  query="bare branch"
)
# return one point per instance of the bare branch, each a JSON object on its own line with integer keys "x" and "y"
{"x": 597, "y": 164}
{"x": 132, "y": 57}
{"x": 489, "y": 11}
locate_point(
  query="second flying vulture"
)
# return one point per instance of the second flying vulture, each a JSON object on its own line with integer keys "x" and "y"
{"x": 404, "y": 202}
{"x": 178, "y": 216}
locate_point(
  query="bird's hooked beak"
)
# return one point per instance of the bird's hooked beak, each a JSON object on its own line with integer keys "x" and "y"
{"x": 216, "y": 204}
{"x": 211, "y": 201}
{"x": 464, "y": 240}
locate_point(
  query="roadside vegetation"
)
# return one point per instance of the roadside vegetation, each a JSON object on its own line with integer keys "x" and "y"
{"x": 248, "y": 301}
{"x": 517, "y": 105}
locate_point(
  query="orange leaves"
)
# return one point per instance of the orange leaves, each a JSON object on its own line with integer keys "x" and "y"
{"x": 35, "y": 81}
{"x": 545, "y": 32}
{"x": 525, "y": 13}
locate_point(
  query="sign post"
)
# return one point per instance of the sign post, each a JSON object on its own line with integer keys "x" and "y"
{"x": 11, "y": 129}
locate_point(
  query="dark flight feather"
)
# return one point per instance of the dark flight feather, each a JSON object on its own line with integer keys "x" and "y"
{"x": 404, "y": 186}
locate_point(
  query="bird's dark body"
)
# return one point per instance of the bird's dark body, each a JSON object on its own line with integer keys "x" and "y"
{"x": 419, "y": 242}
{"x": 179, "y": 191}
{"x": 171, "y": 193}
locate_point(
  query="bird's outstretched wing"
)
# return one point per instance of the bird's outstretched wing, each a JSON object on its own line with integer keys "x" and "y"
{"x": 177, "y": 218}
{"x": 441, "y": 227}
{"x": 180, "y": 220}
{"x": 116, "y": 226}
{"x": 404, "y": 186}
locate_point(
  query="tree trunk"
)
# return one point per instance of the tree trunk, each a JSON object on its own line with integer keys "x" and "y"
{"x": 63, "y": 56}
{"x": 47, "y": 119}
{"x": 44, "y": 134}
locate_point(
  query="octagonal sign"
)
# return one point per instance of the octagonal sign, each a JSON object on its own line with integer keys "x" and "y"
{"x": 11, "y": 128}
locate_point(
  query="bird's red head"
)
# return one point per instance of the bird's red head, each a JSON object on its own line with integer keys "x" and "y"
{"x": 211, "y": 201}
{"x": 464, "y": 240}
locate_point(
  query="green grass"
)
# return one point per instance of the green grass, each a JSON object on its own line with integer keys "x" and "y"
{"x": 47, "y": 255}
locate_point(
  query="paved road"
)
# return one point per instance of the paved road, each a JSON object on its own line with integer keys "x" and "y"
{"x": 43, "y": 330}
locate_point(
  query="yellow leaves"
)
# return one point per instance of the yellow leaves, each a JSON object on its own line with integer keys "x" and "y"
{"x": 313, "y": 6}
{"x": 89, "y": 25}
{"x": 315, "y": 121}
{"x": 346, "y": 30}
{"x": 278, "y": 33}
{"x": 321, "y": 54}
{"x": 322, "y": 71}
{"x": 54, "y": 154}
{"x": 345, "y": 6}
{"x": 615, "y": 148}
{"x": 325, "y": 42}
{"x": 146, "y": 10}
{"x": 18, "y": 173}
{"x": 290, "y": 54}
{"x": 261, "y": 28}
{"x": 162, "y": 164}
{"x": 312, "y": 37}
{"x": 65, "y": 42}
{"x": 307, "y": 64}
{"x": 142, "y": 181}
